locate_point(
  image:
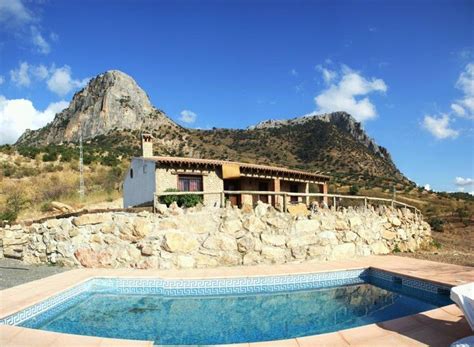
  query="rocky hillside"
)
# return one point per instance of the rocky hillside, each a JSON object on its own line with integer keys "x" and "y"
{"x": 342, "y": 120}
{"x": 113, "y": 110}
{"x": 111, "y": 101}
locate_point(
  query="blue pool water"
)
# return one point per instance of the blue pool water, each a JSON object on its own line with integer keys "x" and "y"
{"x": 182, "y": 318}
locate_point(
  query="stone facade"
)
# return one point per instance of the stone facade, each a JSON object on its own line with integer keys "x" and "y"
{"x": 166, "y": 177}
{"x": 209, "y": 237}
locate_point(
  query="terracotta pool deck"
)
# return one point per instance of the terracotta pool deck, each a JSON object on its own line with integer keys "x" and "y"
{"x": 438, "y": 327}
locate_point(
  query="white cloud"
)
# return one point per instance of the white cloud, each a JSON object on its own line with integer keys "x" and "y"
{"x": 427, "y": 187}
{"x": 439, "y": 126}
{"x": 293, "y": 72}
{"x": 464, "y": 182}
{"x": 41, "y": 72}
{"x": 18, "y": 20}
{"x": 13, "y": 14}
{"x": 328, "y": 75}
{"x": 464, "y": 106}
{"x": 459, "y": 110}
{"x": 187, "y": 116}
{"x": 2, "y": 80}
{"x": 38, "y": 40}
{"x": 17, "y": 115}
{"x": 347, "y": 91}
{"x": 58, "y": 80}
{"x": 20, "y": 76}
{"x": 61, "y": 81}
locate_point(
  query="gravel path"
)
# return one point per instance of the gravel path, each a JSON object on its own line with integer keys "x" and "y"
{"x": 14, "y": 272}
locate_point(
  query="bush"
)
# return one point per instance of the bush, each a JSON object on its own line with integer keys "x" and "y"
{"x": 51, "y": 156}
{"x": 188, "y": 200}
{"x": 16, "y": 201}
{"x": 354, "y": 190}
{"x": 437, "y": 224}
{"x": 169, "y": 199}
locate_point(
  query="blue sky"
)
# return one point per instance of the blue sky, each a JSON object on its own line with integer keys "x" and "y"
{"x": 405, "y": 68}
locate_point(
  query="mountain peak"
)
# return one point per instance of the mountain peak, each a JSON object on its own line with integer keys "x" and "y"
{"x": 112, "y": 100}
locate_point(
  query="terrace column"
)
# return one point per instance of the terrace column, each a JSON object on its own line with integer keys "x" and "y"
{"x": 323, "y": 188}
{"x": 306, "y": 190}
{"x": 277, "y": 203}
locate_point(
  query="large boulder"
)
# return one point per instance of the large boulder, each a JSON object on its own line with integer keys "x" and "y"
{"x": 221, "y": 242}
{"x": 179, "y": 242}
{"x": 273, "y": 240}
{"x": 93, "y": 218}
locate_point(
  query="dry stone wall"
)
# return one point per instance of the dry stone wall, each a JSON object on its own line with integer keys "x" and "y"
{"x": 210, "y": 237}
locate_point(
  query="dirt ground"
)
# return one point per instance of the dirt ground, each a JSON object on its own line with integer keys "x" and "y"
{"x": 455, "y": 245}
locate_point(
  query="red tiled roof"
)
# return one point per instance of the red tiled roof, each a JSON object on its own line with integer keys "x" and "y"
{"x": 213, "y": 162}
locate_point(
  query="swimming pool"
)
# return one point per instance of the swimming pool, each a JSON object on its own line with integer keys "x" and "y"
{"x": 231, "y": 310}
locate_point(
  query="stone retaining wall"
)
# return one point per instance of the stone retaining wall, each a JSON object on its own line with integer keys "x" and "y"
{"x": 210, "y": 237}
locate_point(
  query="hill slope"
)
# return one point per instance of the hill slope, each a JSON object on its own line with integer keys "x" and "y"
{"x": 112, "y": 111}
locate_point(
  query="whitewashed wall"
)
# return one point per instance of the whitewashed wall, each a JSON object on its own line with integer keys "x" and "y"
{"x": 141, "y": 187}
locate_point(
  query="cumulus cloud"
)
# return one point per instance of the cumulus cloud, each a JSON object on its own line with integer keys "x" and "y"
{"x": 21, "y": 76}
{"x": 187, "y": 116}
{"x": 347, "y": 91}
{"x": 464, "y": 106}
{"x": 17, "y": 115}
{"x": 61, "y": 81}
{"x": 293, "y": 72}
{"x": 427, "y": 187}
{"x": 2, "y": 80}
{"x": 439, "y": 127}
{"x": 38, "y": 40}
{"x": 58, "y": 80}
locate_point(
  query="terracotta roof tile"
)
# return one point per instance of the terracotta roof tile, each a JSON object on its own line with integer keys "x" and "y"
{"x": 213, "y": 162}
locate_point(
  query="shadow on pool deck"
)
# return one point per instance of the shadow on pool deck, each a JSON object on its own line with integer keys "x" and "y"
{"x": 14, "y": 272}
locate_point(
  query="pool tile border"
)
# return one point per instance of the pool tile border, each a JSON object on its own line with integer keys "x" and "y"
{"x": 448, "y": 275}
{"x": 217, "y": 286}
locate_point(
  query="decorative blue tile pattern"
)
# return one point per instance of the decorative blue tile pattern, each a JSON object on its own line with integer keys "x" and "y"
{"x": 205, "y": 287}
{"x": 409, "y": 282}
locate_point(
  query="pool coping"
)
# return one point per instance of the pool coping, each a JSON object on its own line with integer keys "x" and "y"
{"x": 439, "y": 326}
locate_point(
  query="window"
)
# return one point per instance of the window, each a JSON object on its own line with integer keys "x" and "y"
{"x": 190, "y": 183}
{"x": 131, "y": 173}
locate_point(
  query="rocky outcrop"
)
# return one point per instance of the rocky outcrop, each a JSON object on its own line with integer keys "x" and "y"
{"x": 208, "y": 237}
{"x": 110, "y": 101}
{"x": 342, "y": 120}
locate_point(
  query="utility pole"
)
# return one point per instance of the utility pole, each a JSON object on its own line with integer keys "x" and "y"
{"x": 81, "y": 168}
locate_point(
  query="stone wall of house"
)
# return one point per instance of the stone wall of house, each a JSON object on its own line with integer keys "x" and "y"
{"x": 210, "y": 237}
{"x": 166, "y": 178}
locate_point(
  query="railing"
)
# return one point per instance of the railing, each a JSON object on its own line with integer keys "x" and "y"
{"x": 286, "y": 195}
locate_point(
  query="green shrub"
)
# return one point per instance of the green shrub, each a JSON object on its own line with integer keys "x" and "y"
{"x": 437, "y": 224}
{"x": 188, "y": 200}
{"x": 15, "y": 202}
{"x": 169, "y": 199}
{"x": 51, "y": 156}
{"x": 354, "y": 190}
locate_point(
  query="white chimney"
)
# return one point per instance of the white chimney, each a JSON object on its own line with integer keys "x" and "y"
{"x": 147, "y": 145}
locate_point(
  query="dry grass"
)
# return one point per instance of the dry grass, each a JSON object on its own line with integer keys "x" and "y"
{"x": 57, "y": 181}
{"x": 455, "y": 245}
